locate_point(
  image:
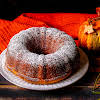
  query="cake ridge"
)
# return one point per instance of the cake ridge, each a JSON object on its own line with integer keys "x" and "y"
{"x": 46, "y": 54}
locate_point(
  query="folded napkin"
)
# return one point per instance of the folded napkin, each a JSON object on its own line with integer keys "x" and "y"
{"x": 68, "y": 22}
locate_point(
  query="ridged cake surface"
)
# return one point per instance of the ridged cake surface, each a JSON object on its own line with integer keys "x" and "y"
{"x": 42, "y": 55}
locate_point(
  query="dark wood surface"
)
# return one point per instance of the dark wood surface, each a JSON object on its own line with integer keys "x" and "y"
{"x": 81, "y": 90}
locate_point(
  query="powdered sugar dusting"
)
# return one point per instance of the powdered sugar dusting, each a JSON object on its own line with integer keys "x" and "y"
{"x": 46, "y": 47}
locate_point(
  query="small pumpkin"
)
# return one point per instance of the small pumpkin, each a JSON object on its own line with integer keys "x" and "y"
{"x": 89, "y": 34}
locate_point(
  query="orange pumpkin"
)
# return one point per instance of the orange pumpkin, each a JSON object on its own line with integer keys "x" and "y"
{"x": 89, "y": 34}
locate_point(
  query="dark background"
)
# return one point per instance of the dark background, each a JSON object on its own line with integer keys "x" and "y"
{"x": 10, "y": 9}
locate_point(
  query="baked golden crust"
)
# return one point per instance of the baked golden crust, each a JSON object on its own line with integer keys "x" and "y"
{"x": 42, "y": 81}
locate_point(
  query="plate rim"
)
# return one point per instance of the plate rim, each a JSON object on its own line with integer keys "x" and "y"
{"x": 16, "y": 80}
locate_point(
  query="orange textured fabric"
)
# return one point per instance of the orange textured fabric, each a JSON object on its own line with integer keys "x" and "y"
{"x": 68, "y": 22}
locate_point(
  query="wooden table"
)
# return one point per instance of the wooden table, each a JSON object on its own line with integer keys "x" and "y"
{"x": 81, "y": 90}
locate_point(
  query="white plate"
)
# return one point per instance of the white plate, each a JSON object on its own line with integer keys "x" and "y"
{"x": 84, "y": 63}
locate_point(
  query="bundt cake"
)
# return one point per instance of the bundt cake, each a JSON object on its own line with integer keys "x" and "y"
{"x": 41, "y": 55}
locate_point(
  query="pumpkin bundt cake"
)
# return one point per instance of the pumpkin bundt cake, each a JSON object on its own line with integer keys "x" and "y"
{"x": 41, "y": 55}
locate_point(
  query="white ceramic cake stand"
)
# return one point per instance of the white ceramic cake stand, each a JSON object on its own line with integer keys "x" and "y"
{"x": 84, "y": 64}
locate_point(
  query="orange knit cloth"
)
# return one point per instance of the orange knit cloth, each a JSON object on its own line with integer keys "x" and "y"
{"x": 68, "y": 22}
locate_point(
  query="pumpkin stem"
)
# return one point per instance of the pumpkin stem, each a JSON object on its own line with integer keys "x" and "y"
{"x": 93, "y": 20}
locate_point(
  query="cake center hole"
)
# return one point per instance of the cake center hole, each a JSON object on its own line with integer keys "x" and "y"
{"x": 35, "y": 48}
